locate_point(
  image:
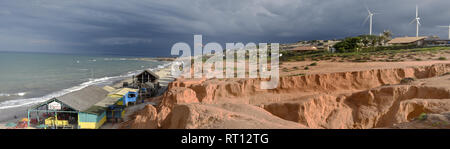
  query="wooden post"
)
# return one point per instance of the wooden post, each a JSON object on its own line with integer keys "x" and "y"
{"x": 112, "y": 115}
{"x": 54, "y": 120}
{"x": 28, "y": 123}
{"x": 37, "y": 116}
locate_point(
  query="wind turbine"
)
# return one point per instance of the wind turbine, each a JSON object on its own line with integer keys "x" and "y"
{"x": 417, "y": 20}
{"x": 370, "y": 16}
{"x": 448, "y": 30}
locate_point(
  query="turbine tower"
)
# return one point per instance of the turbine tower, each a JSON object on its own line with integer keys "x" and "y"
{"x": 417, "y": 20}
{"x": 448, "y": 30}
{"x": 370, "y": 17}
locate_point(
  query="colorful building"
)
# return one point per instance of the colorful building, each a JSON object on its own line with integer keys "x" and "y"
{"x": 83, "y": 109}
{"x": 124, "y": 95}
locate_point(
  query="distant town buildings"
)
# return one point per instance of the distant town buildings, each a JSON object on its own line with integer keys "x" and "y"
{"x": 420, "y": 41}
{"x": 313, "y": 45}
{"x": 327, "y": 45}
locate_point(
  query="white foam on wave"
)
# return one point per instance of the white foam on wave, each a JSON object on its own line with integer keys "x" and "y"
{"x": 24, "y": 102}
{"x": 15, "y": 94}
{"x": 21, "y": 94}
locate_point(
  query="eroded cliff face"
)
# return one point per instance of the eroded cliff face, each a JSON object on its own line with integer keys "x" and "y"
{"x": 224, "y": 116}
{"x": 428, "y": 121}
{"x": 214, "y": 90}
{"x": 360, "y": 99}
{"x": 379, "y": 107}
{"x": 145, "y": 118}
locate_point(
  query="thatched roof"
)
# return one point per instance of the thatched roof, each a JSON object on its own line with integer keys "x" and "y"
{"x": 146, "y": 76}
{"x": 85, "y": 98}
{"x": 405, "y": 40}
{"x": 147, "y": 72}
{"x": 109, "y": 100}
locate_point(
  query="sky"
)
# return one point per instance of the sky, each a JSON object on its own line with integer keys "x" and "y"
{"x": 151, "y": 27}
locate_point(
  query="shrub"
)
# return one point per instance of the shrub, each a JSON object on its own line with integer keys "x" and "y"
{"x": 407, "y": 80}
{"x": 348, "y": 45}
{"x": 313, "y": 64}
{"x": 300, "y": 74}
{"x": 422, "y": 116}
{"x": 442, "y": 58}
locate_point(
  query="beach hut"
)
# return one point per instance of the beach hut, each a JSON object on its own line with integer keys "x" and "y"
{"x": 79, "y": 109}
{"x": 147, "y": 82}
{"x": 113, "y": 109}
{"x": 147, "y": 76}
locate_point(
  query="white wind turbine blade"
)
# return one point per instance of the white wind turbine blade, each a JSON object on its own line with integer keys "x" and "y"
{"x": 368, "y": 10}
{"x": 365, "y": 21}
{"x": 417, "y": 11}
{"x": 412, "y": 21}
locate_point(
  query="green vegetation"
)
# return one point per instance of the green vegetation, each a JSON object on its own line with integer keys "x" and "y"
{"x": 363, "y": 55}
{"x": 354, "y": 44}
{"x": 422, "y": 116}
{"x": 366, "y": 48}
{"x": 313, "y": 64}
{"x": 351, "y": 44}
{"x": 306, "y": 68}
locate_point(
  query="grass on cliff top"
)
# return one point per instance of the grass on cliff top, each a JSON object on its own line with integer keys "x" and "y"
{"x": 360, "y": 56}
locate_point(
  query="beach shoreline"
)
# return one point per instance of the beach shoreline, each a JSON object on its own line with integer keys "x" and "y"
{"x": 14, "y": 114}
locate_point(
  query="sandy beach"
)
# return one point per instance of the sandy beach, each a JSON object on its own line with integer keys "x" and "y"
{"x": 13, "y": 115}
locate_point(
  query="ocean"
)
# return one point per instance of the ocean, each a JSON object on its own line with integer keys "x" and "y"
{"x": 28, "y": 78}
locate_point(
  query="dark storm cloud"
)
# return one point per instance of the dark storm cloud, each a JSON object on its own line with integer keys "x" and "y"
{"x": 153, "y": 26}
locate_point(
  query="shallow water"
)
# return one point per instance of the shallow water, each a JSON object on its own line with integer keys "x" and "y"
{"x": 27, "y": 78}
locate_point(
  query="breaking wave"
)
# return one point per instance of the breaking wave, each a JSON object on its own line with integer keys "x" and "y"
{"x": 15, "y": 94}
{"x": 99, "y": 81}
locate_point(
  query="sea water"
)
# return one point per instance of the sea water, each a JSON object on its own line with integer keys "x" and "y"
{"x": 27, "y": 78}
